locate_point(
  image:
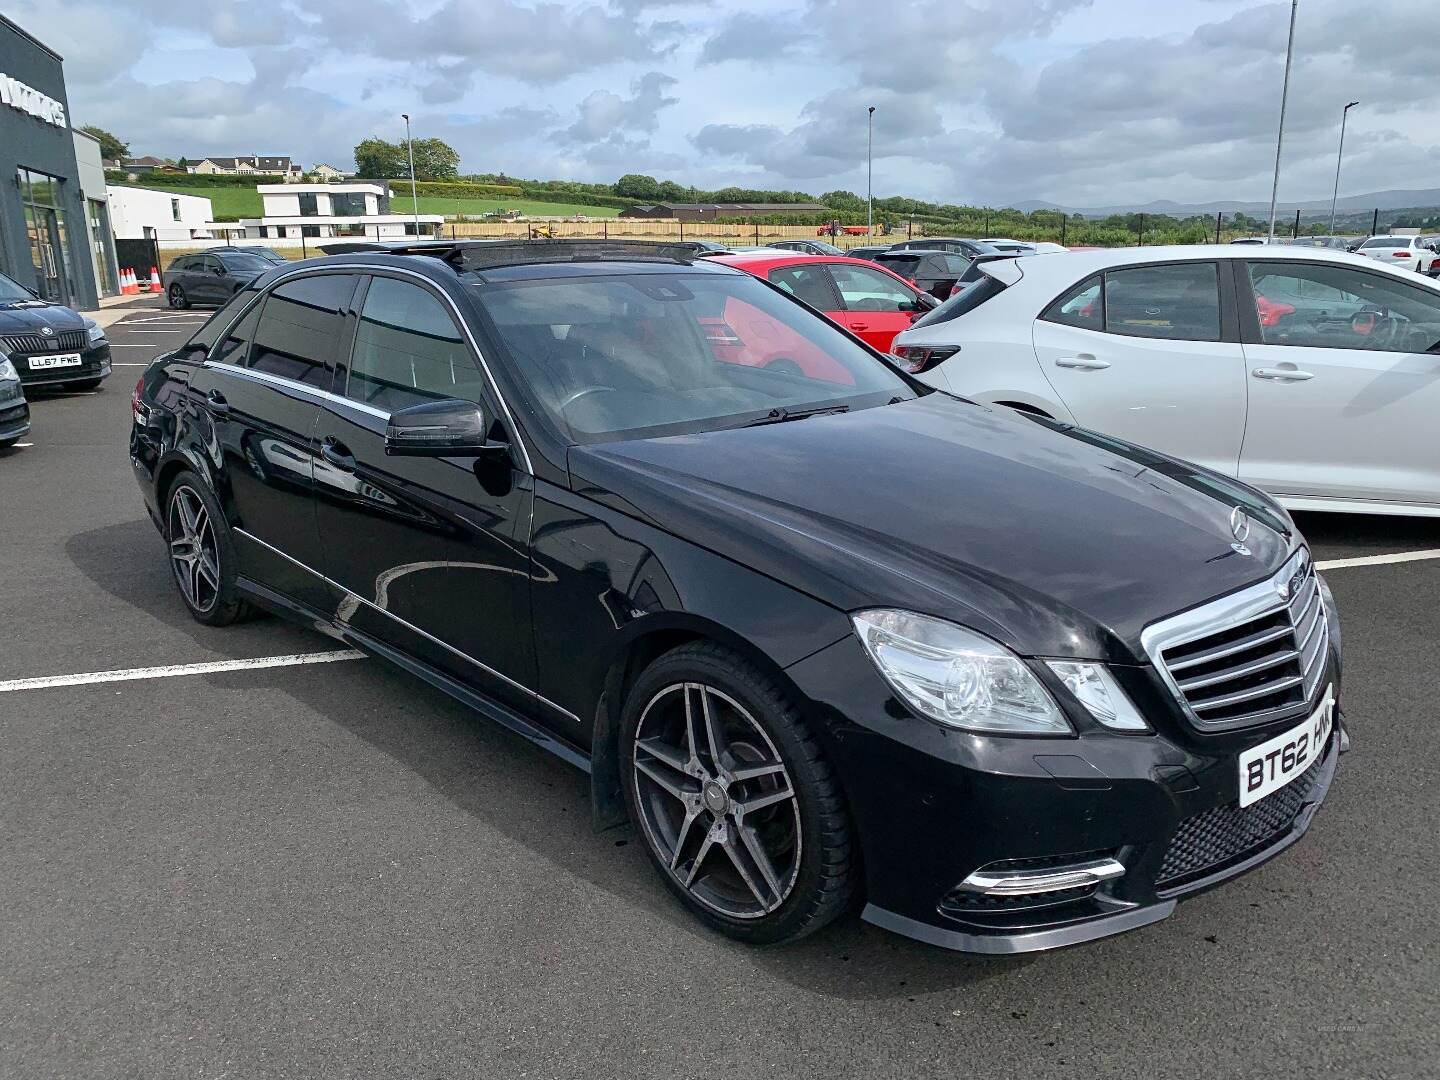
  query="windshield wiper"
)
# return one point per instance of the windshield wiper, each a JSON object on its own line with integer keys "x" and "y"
{"x": 780, "y": 414}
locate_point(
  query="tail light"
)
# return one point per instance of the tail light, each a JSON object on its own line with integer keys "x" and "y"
{"x": 1400, "y": 254}
{"x": 1435, "y": 266}
{"x": 918, "y": 358}
{"x": 1272, "y": 311}
{"x": 721, "y": 333}
{"x": 954, "y": 288}
{"x": 138, "y": 412}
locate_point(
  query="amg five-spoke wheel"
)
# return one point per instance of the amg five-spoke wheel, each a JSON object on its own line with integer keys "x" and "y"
{"x": 716, "y": 798}
{"x": 739, "y": 809}
{"x": 202, "y": 553}
{"x": 193, "y": 554}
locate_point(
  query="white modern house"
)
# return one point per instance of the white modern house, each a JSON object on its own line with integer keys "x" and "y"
{"x": 358, "y": 208}
{"x": 146, "y": 214}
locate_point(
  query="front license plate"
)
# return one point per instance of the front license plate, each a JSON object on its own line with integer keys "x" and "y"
{"x": 1266, "y": 768}
{"x": 40, "y": 363}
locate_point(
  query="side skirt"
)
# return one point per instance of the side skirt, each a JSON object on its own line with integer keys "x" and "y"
{"x": 488, "y": 707}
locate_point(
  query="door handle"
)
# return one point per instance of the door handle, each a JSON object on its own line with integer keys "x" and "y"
{"x": 216, "y": 403}
{"x": 1083, "y": 362}
{"x": 337, "y": 454}
{"x": 859, "y": 326}
{"x": 1282, "y": 374}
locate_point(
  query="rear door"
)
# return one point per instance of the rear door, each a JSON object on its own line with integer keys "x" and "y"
{"x": 1151, "y": 354}
{"x": 432, "y": 552}
{"x": 260, "y": 393}
{"x": 210, "y": 283}
{"x": 877, "y": 306}
{"x": 1344, "y": 382}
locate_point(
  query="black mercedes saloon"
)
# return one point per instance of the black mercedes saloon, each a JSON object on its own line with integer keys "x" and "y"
{"x": 824, "y": 635}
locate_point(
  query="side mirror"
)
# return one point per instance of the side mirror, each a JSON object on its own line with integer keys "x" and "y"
{"x": 449, "y": 428}
{"x": 219, "y": 271}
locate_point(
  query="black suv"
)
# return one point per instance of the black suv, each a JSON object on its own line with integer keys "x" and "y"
{"x": 211, "y": 277}
{"x": 49, "y": 345}
{"x": 558, "y": 481}
{"x": 934, "y": 272}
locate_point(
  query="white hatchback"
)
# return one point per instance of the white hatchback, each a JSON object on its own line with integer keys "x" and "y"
{"x": 1314, "y": 375}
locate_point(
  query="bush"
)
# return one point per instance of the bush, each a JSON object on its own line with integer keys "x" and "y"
{"x": 168, "y": 179}
{"x": 455, "y": 189}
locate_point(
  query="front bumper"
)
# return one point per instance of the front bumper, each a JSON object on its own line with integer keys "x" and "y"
{"x": 94, "y": 364}
{"x": 14, "y": 412}
{"x": 933, "y": 806}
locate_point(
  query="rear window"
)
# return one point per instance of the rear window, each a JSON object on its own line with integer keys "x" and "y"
{"x": 970, "y": 297}
{"x": 901, "y": 264}
{"x": 205, "y": 338}
{"x": 1082, "y": 306}
{"x": 1387, "y": 241}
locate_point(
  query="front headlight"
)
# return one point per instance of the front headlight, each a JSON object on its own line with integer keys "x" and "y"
{"x": 956, "y": 676}
{"x": 7, "y": 369}
{"x": 1096, "y": 689}
{"x": 95, "y": 333}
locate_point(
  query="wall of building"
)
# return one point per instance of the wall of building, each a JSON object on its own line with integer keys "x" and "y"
{"x": 99, "y": 234}
{"x": 40, "y": 144}
{"x": 134, "y": 210}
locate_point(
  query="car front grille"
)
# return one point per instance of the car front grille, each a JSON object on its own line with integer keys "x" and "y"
{"x": 65, "y": 341}
{"x": 1250, "y": 658}
{"x": 1206, "y": 842}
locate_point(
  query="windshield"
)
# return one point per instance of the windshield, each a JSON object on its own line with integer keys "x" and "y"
{"x": 640, "y": 355}
{"x": 10, "y": 291}
{"x": 245, "y": 261}
{"x": 901, "y": 264}
{"x": 826, "y": 249}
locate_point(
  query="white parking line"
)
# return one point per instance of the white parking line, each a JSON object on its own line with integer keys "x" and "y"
{"x": 1379, "y": 560}
{"x": 133, "y": 674}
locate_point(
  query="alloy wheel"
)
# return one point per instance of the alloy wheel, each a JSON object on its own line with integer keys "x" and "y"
{"x": 716, "y": 801}
{"x": 194, "y": 556}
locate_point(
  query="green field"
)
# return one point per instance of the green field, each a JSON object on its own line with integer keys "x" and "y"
{"x": 238, "y": 202}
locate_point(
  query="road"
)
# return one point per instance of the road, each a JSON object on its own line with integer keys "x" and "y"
{"x": 332, "y": 870}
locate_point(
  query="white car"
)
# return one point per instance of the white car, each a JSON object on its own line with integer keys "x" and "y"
{"x": 1314, "y": 375}
{"x": 1408, "y": 252}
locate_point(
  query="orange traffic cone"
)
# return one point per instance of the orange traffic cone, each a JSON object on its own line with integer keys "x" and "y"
{"x": 155, "y": 286}
{"x": 127, "y": 283}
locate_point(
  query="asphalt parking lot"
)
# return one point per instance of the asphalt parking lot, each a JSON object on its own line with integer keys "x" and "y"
{"x": 331, "y": 870}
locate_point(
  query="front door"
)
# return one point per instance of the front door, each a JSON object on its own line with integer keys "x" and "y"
{"x": 433, "y": 552}
{"x": 1344, "y": 383}
{"x": 261, "y": 394}
{"x": 877, "y": 305}
{"x": 1143, "y": 355}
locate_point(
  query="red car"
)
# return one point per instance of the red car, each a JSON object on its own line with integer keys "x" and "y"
{"x": 869, "y": 301}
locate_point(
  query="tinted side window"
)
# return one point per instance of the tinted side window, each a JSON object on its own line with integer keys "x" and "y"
{"x": 1081, "y": 306}
{"x": 236, "y": 345}
{"x": 182, "y": 263}
{"x": 204, "y": 339}
{"x": 299, "y": 326}
{"x": 808, "y": 283}
{"x": 1179, "y": 301}
{"x": 408, "y": 350}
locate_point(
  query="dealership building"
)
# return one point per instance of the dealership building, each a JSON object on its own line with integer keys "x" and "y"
{"x": 45, "y": 217}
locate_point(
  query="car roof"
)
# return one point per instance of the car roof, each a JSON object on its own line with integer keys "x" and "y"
{"x": 778, "y": 257}
{"x": 1066, "y": 267}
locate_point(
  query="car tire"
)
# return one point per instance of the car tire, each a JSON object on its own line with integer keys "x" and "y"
{"x": 202, "y": 554}
{"x": 177, "y": 297}
{"x": 753, "y": 838}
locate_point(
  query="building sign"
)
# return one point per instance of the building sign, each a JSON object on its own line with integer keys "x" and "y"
{"x": 27, "y": 99}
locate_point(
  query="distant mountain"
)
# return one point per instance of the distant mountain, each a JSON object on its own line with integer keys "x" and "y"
{"x": 1397, "y": 199}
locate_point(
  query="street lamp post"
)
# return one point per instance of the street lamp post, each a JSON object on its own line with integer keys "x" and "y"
{"x": 410, "y": 153}
{"x": 1284, "y": 96}
{"x": 1339, "y": 154}
{"x": 870, "y": 175}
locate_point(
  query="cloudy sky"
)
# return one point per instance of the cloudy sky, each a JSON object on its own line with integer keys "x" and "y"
{"x": 1083, "y": 102}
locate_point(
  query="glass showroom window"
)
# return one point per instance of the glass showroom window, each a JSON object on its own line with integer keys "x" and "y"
{"x": 40, "y": 199}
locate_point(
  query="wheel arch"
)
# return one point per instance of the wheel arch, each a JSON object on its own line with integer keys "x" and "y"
{"x": 640, "y": 644}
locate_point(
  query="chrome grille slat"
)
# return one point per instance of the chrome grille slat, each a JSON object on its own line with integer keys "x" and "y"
{"x": 1232, "y": 648}
{"x": 1248, "y": 658}
{"x": 1273, "y": 660}
{"x": 1241, "y": 696}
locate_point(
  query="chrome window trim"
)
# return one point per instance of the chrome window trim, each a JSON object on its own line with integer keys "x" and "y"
{"x": 382, "y": 268}
{"x": 1252, "y": 602}
{"x": 357, "y": 598}
{"x": 294, "y": 384}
